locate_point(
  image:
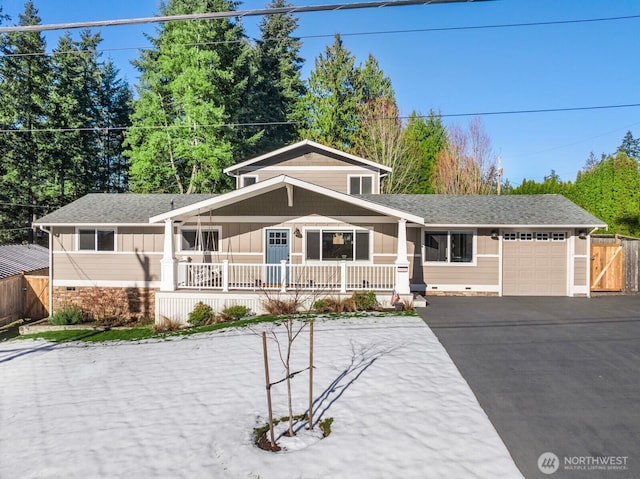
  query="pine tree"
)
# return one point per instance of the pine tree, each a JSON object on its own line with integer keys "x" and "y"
{"x": 278, "y": 86}
{"x": 193, "y": 87}
{"x": 24, "y": 83}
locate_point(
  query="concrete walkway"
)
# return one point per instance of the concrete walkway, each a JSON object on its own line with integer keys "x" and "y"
{"x": 557, "y": 375}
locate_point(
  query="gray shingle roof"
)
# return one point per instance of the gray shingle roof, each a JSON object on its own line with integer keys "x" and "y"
{"x": 17, "y": 258}
{"x": 105, "y": 208}
{"x": 490, "y": 210}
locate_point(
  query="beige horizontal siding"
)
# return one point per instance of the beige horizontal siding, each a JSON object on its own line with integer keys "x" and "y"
{"x": 580, "y": 271}
{"x": 580, "y": 245}
{"x": 485, "y": 272}
{"x": 487, "y": 245}
{"x": 106, "y": 267}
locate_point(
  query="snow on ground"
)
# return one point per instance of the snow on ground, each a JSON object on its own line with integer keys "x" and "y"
{"x": 187, "y": 407}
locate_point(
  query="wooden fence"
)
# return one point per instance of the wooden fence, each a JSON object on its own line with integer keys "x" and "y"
{"x": 615, "y": 263}
{"x": 10, "y": 299}
{"x": 23, "y": 296}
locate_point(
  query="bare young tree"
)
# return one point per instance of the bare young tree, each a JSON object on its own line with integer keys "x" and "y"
{"x": 381, "y": 140}
{"x": 467, "y": 166}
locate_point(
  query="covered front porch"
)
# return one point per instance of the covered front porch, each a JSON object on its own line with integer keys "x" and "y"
{"x": 225, "y": 284}
{"x": 251, "y": 244}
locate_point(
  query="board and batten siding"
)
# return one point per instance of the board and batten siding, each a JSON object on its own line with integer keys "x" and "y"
{"x": 333, "y": 178}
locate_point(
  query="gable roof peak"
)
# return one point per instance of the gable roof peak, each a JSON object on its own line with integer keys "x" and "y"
{"x": 231, "y": 170}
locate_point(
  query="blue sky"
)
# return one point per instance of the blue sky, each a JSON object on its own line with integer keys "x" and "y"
{"x": 463, "y": 70}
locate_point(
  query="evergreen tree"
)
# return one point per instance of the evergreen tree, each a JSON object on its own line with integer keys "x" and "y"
{"x": 113, "y": 103}
{"x": 630, "y": 146}
{"x": 331, "y": 104}
{"x": 371, "y": 82}
{"x": 24, "y": 83}
{"x": 194, "y": 87}
{"x": 278, "y": 86}
{"x": 552, "y": 184}
{"x": 611, "y": 191}
{"x": 425, "y": 138}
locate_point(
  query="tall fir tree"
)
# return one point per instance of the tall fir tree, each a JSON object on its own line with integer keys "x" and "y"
{"x": 331, "y": 104}
{"x": 278, "y": 85}
{"x": 24, "y": 82}
{"x": 424, "y": 138}
{"x": 194, "y": 87}
{"x": 113, "y": 105}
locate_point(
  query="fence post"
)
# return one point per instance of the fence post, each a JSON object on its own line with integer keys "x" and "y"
{"x": 225, "y": 275}
{"x": 343, "y": 276}
{"x": 283, "y": 275}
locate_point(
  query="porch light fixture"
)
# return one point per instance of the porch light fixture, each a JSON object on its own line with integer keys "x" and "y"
{"x": 297, "y": 233}
{"x": 582, "y": 234}
{"x": 494, "y": 234}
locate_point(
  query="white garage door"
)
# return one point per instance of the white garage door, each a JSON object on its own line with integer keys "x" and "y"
{"x": 534, "y": 263}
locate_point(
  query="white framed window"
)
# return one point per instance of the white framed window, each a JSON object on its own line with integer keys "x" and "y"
{"x": 525, "y": 236}
{"x": 510, "y": 236}
{"x": 96, "y": 239}
{"x": 558, "y": 236}
{"x": 338, "y": 244}
{"x": 206, "y": 239}
{"x": 248, "y": 180}
{"x": 360, "y": 184}
{"x": 449, "y": 246}
{"x": 542, "y": 236}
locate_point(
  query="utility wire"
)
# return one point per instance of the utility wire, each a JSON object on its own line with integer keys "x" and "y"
{"x": 329, "y": 35}
{"x": 227, "y": 14}
{"x": 277, "y": 123}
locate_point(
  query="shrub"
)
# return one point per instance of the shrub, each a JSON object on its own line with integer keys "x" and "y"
{"x": 201, "y": 315}
{"x": 281, "y": 307}
{"x": 323, "y": 305}
{"x": 234, "y": 313}
{"x": 334, "y": 305}
{"x": 167, "y": 324}
{"x": 325, "y": 426}
{"x": 365, "y": 300}
{"x": 68, "y": 314}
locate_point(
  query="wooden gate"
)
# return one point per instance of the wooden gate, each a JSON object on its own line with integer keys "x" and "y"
{"x": 607, "y": 267}
{"x": 36, "y": 297}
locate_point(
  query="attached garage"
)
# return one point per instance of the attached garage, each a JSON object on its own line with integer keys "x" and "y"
{"x": 534, "y": 263}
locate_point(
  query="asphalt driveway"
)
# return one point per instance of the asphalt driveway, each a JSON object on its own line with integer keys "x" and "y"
{"x": 559, "y": 375}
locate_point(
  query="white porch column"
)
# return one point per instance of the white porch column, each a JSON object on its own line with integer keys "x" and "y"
{"x": 168, "y": 263}
{"x": 343, "y": 276}
{"x": 402, "y": 261}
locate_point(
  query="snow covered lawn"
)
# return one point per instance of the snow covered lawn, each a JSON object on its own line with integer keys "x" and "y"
{"x": 187, "y": 407}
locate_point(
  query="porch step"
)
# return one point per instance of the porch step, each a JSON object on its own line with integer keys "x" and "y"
{"x": 419, "y": 301}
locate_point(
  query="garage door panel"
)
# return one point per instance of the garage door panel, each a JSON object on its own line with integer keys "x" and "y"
{"x": 534, "y": 268}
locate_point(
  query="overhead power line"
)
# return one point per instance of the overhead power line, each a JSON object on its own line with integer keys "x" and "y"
{"x": 227, "y": 14}
{"x": 277, "y": 123}
{"x": 345, "y": 34}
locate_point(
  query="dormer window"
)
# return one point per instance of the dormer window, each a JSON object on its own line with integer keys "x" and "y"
{"x": 360, "y": 185}
{"x": 249, "y": 180}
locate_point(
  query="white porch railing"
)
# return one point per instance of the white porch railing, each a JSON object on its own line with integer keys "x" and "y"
{"x": 338, "y": 277}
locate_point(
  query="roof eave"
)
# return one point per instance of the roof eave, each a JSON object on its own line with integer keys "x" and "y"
{"x": 274, "y": 183}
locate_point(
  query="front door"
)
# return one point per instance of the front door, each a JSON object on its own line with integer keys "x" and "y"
{"x": 277, "y": 247}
